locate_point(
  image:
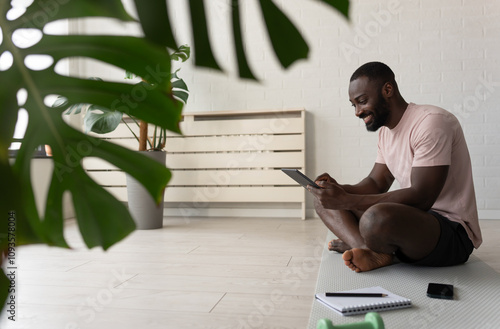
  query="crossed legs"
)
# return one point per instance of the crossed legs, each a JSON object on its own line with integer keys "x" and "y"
{"x": 370, "y": 238}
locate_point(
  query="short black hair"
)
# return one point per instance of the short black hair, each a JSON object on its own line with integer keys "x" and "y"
{"x": 374, "y": 71}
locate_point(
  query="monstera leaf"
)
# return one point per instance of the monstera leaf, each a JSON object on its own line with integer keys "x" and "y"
{"x": 102, "y": 219}
{"x": 288, "y": 44}
{"x": 109, "y": 222}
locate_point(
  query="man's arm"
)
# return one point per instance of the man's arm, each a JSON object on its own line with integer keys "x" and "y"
{"x": 378, "y": 181}
{"x": 426, "y": 184}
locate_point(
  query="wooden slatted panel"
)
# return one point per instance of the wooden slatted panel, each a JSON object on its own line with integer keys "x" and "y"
{"x": 235, "y": 160}
{"x": 229, "y": 177}
{"x": 130, "y": 143}
{"x": 227, "y": 144}
{"x": 279, "y": 124}
{"x": 235, "y": 194}
{"x": 224, "y": 194}
{"x": 254, "y": 142}
{"x": 92, "y": 163}
{"x": 235, "y": 143}
{"x": 242, "y": 127}
{"x": 222, "y": 157}
{"x": 205, "y": 178}
{"x": 217, "y": 160}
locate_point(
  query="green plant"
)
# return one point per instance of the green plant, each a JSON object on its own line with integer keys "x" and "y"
{"x": 102, "y": 120}
{"x": 143, "y": 56}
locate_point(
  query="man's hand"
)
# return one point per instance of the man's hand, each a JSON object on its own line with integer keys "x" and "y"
{"x": 331, "y": 195}
{"x": 325, "y": 177}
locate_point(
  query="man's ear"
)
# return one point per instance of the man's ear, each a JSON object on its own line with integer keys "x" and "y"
{"x": 388, "y": 90}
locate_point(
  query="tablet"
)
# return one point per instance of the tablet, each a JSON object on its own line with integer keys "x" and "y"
{"x": 300, "y": 178}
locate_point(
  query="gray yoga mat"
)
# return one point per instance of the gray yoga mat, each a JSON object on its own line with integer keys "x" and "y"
{"x": 476, "y": 303}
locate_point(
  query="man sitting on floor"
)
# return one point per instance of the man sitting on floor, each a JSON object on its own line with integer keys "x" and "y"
{"x": 432, "y": 219}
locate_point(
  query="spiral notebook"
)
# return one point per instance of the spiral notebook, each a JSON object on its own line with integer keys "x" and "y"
{"x": 361, "y": 305}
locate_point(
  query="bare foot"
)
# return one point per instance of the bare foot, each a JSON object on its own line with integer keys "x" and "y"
{"x": 362, "y": 260}
{"x": 338, "y": 246}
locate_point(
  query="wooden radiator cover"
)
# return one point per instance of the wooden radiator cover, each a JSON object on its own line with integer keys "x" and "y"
{"x": 227, "y": 156}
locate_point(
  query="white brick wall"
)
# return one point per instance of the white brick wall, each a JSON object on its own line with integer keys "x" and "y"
{"x": 445, "y": 53}
{"x": 441, "y": 52}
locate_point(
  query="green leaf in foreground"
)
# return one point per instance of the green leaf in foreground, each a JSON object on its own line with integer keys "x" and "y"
{"x": 342, "y": 6}
{"x": 283, "y": 34}
{"x": 203, "y": 54}
{"x": 243, "y": 67}
{"x": 102, "y": 219}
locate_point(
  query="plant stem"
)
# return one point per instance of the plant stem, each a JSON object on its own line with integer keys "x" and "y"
{"x": 163, "y": 139}
{"x": 126, "y": 124}
{"x": 143, "y": 135}
{"x": 154, "y": 137}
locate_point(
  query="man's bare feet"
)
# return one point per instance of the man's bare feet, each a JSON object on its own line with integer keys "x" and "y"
{"x": 362, "y": 260}
{"x": 338, "y": 246}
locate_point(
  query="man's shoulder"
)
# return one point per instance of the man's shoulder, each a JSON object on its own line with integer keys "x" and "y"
{"x": 421, "y": 113}
{"x": 432, "y": 122}
{"x": 426, "y": 109}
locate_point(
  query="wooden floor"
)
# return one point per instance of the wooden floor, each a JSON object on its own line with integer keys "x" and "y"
{"x": 489, "y": 250}
{"x": 193, "y": 273}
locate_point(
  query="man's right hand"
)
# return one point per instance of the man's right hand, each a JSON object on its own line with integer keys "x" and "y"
{"x": 326, "y": 178}
{"x": 330, "y": 194}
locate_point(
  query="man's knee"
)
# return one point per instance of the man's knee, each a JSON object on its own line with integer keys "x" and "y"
{"x": 377, "y": 221}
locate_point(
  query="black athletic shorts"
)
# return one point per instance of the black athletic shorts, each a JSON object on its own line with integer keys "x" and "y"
{"x": 454, "y": 246}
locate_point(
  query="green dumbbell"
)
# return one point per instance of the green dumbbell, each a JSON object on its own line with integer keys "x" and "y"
{"x": 372, "y": 321}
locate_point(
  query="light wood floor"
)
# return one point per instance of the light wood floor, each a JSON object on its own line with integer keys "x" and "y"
{"x": 196, "y": 273}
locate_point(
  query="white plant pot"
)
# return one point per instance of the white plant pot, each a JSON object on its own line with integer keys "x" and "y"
{"x": 145, "y": 212}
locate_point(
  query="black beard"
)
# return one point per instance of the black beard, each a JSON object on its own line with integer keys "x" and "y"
{"x": 380, "y": 114}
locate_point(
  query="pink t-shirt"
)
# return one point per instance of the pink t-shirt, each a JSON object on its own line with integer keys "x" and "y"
{"x": 429, "y": 136}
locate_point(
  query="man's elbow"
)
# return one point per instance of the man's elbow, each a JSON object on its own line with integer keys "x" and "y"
{"x": 425, "y": 204}
{"x": 423, "y": 200}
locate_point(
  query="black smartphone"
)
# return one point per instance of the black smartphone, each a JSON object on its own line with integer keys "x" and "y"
{"x": 300, "y": 178}
{"x": 439, "y": 290}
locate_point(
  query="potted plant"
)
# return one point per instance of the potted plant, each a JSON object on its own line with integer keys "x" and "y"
{"x": 146, "y": 213}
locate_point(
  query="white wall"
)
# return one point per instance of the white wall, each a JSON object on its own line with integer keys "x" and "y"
{"x": 444, "y": 53}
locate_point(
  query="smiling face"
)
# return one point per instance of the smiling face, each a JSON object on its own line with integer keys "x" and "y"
{"x": 369, "y": 103}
